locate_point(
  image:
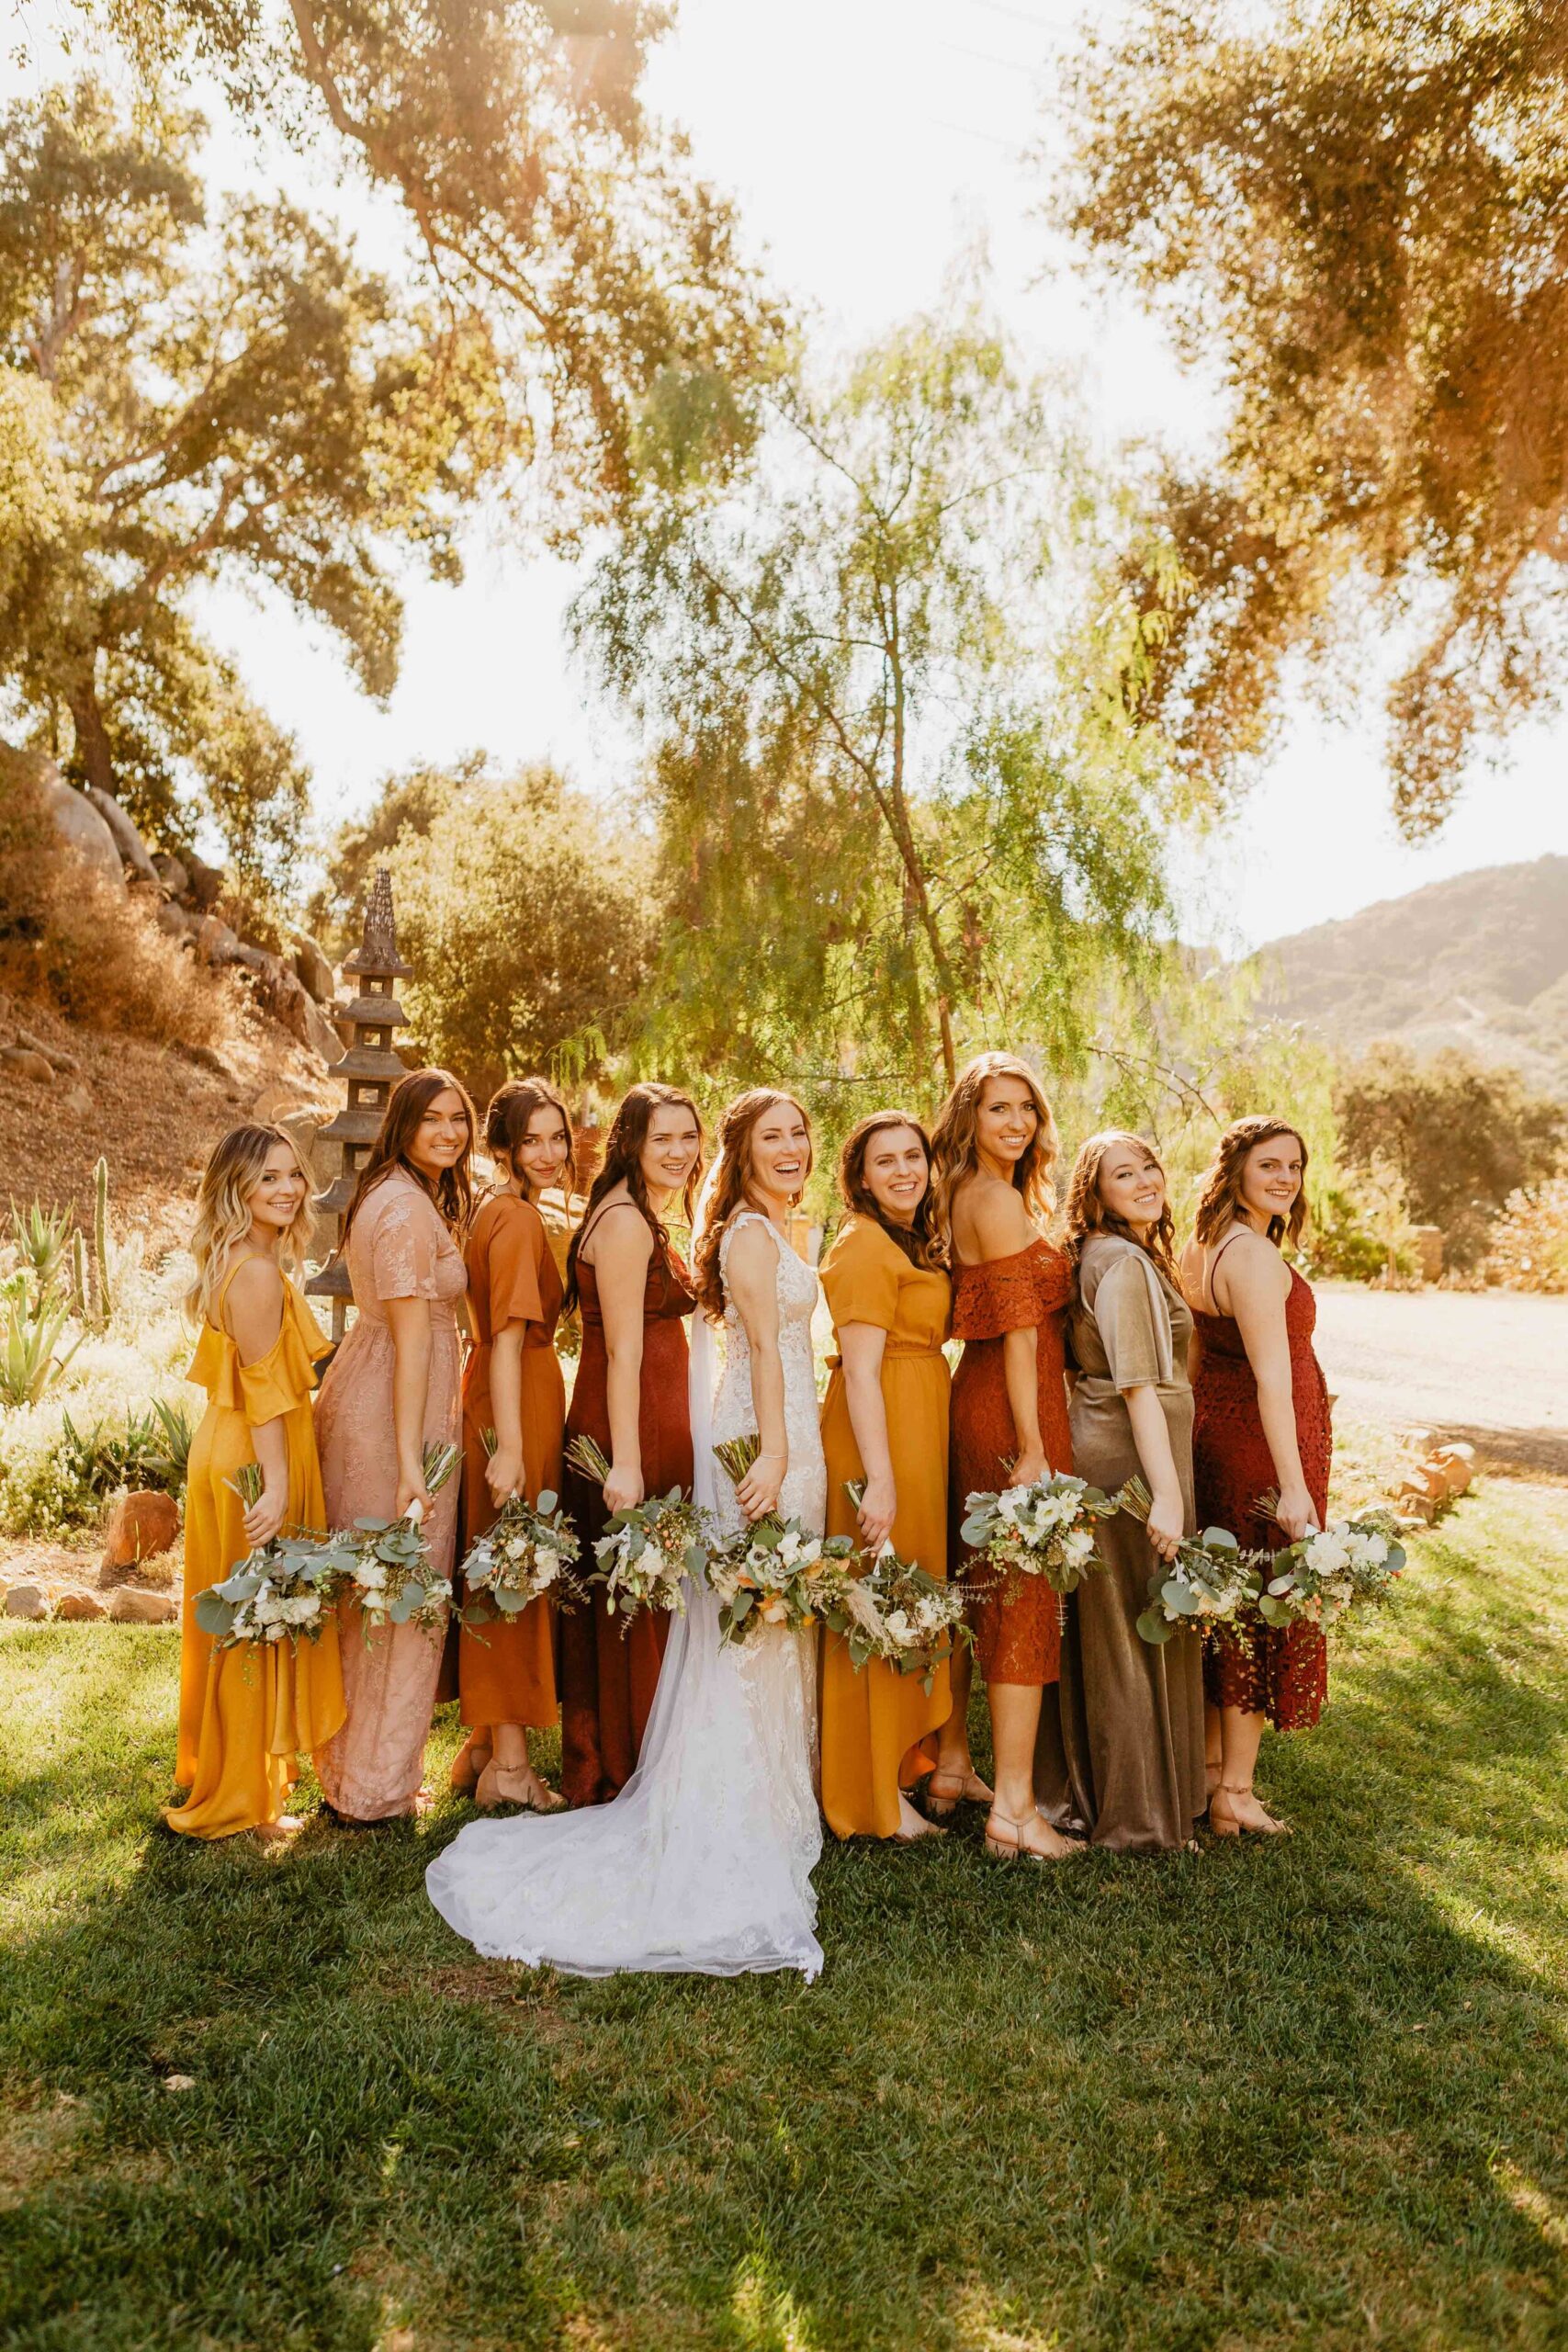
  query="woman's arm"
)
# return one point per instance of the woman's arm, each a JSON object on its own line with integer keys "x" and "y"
{"x": 252, "y": 1316}
{"x": 1256, "y": 1286}
{"x": 861, "y": 1349}
{"x": 1151, "y": 1435}
{"x": 622, "y": 1248}
{"x": 503, "y": 1471}
{"x": 752, "y": 1275}
{"x": 408, "y": 1320}
{"x": 1002, "y": 1228}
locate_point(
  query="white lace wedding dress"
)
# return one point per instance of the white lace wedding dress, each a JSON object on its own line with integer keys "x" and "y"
{"x": 704, "y": 1861}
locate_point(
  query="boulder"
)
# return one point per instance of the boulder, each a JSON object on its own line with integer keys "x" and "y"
{"x": 215, "y": 942}
{"x": 127, "y": 840}
{"x": 19, "y": 1061}
{"x": 206, "y": 1059}
{"x": 311, "y": 965}
{"x": 139, "y": 1526}
{"x": 78, "y": 1608}
{"x": 319, "y": 1034}
{"x": 206, "y": 882}
{"x": 1425, "y": 1480}
{"x": 178, "y": 920}
{"x": 1458, "y": 1450}
{"x": 1422, "y": 1508}
{"x": 170, "y": 871}
{"x": 79, "y": 1101}
{"x": 130, "y": 1606}
{"x": 79, "y": 824}
{"x": 1455, "y": 1472}
{"x": 55, "y": 1055}
{"x": 26, "y": 1600}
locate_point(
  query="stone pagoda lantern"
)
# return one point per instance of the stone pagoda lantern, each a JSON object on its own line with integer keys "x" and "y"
{"x": 369, "y": 1071}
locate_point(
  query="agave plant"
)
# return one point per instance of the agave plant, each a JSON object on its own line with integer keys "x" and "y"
{"x": 30, "y": 1334}
{"x": 173, "y": 1464}
{"x": 42, "y": 1237}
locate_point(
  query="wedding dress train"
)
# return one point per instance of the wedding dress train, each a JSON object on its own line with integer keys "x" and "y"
{"x": 704, "y": 1861}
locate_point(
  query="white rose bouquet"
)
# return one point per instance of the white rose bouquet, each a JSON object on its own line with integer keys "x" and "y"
{"x": 384, "y": 1565}
{"x": 644, "y": 1555}
{"x": 528, "y": 1550}
{"x": 778, "y": 1573}
{"x": 1352, "y": 1563}
{"x": 1210, "y": 1585}
{"x": 1045, "y": 1530}
{"x": 896, "y": 1612}
{"x": 279, "y": 1592}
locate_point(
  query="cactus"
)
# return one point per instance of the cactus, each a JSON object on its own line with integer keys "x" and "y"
{"x": 101, "y": 1243}
{"x": 81, "y": 1279}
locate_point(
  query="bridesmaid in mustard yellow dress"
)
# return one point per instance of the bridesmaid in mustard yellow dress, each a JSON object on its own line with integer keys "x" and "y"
{"x": 885, "y": 1420}
{"x": 247, "y": 1713}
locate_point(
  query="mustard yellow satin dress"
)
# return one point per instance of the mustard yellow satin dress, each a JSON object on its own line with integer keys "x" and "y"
{"x": 247, "y": 1713}
{"x": 873, "y": 1721}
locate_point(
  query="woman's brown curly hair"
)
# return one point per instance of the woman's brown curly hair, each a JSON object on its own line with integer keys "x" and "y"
{"x": 623, "y": 1165}
{"x": 732, "y": 1188}
{"x": 918, "y": 1241}
{"x": 1086, "y": 1214}
{"x": 1219, "y": 1203}
{"x": 955, "y": 1153}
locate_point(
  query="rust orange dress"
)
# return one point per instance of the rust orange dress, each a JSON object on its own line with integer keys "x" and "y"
{"x": 1281, "y": 1671}
{"x": 873, "y": 1720}
{"x": 609, "y": 1665}
{"x": 1017, "y": 1633}
{"x": 508, "y": 1676}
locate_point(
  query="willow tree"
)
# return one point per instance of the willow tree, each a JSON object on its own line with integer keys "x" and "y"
{"x": 195, "y": 402}
{"x": 902, "y": 807}
{"x": 1356, "y": 210}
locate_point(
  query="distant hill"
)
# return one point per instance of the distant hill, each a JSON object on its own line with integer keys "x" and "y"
{"x": 1480, "y": 961}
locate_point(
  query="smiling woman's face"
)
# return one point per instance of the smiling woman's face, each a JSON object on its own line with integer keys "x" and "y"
{"x": 1131, "y": 1185}
{"x": 542, "y": 1150}
{"x": 780, "y": 1150}
{"x": 897, "y": 1174}
{"x": 277, "y": 1197}
{"x": 670, "y": 1147}
{"x": 1005, "y": 1120}
{"x": 442, "y": 1136}
{"x": 1271, "y": 1177}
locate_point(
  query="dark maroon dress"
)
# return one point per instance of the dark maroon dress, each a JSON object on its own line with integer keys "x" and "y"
{"x": 1280, "y": 1672}
{"x": 608, "y": 1675}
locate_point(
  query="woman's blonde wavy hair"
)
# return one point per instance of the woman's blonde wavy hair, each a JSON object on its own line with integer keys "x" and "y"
{"x": 223, "y": 1217}
{"x": 955, "y": 1150}
{"x": 730, "y": 1188}
{"x": 1086, "y": 1214}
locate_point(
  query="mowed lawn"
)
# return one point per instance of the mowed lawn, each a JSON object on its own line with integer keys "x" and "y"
{"x": 1312, "y": 2093}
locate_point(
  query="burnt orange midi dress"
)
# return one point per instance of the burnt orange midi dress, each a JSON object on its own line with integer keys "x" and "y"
{"x": 508, "y": 1675}
{"x": 873, "y": 1722}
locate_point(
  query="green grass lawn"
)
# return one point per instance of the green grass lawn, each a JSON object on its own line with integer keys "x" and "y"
{"x": 1312, "y": 2093}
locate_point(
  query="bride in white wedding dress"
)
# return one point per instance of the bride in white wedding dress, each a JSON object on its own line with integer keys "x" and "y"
{"x": 704, "y": 1860}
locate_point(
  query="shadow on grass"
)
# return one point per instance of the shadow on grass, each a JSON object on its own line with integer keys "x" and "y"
{"x": 1304, "y": 2093}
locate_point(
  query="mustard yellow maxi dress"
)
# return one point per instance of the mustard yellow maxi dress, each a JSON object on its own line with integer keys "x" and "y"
{"x": 247, "y": 1713}
{"x": 873, "y": 1720}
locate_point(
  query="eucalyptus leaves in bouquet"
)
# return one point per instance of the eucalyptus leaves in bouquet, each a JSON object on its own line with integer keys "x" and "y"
{"x": 283, "y": 1590}
{"x": 1210, "y": 1586}
{"x": 384, "y": 1565}
{"x": 896, "y": 1612}
{"x": 1353, "y": 1563}
{"x": 529, "y": 1551}
{"x": 645, "y": 1555}
{"x": 778, "y": 1573}
{"x": 1044, "y": 1530}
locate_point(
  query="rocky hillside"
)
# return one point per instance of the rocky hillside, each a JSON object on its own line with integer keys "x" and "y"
{"x": 1480, "y": 961}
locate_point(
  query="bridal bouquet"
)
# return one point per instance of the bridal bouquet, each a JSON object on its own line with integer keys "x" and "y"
{"x": 775, "y": 1572}
{"x": 896, "y": 1612}
{"x": 1210, "y": 1585}
{"x": 644, "y": 1553}
{"x": 1353, "y": 1561}
{"x": 528, "y": 1550}
{"x": 280, "y": 1590}
{"x": 1045, "y": 1530}
{"x": 384, "y": 1565}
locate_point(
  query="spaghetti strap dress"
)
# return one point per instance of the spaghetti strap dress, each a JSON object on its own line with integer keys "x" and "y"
{"x": 1278, "y": 1671}
{"x": 608, "y": 1667}
{"x": 1018, "y": 1636}
{"x": 247, "y": 1713}
{"x": 873, "y": 1722}
{"x": 508, "y": 1675}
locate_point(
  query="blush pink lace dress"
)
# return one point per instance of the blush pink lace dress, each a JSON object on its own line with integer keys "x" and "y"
{"x": 398, "y": 1248}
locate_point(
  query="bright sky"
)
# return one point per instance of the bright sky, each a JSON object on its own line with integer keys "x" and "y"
{"x": 868, "y": 143}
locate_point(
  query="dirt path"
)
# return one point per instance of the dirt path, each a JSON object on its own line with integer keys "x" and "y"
{"x": 1487, "y": 1366}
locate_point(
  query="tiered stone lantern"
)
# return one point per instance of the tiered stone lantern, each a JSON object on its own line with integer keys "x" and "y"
{"x": 369, "y": 1071}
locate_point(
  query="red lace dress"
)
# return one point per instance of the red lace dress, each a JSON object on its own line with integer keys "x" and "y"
{"x": 1017, "y": 1638}
{"x": 608, "y": 1667}
{"x": 1280, "y": 1672}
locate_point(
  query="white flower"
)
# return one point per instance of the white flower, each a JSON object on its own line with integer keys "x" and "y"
{"x": 898, "y": 1626}
{"x": 789, "y": 1550}
{"x": 1078, "y": 1546}
{"x": 371, "y": 1575}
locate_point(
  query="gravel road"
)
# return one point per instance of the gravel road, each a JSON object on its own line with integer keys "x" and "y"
{"x": 1484, "y": 1365}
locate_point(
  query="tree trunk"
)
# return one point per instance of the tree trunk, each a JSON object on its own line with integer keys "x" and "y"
{"x": 93, "y": 747}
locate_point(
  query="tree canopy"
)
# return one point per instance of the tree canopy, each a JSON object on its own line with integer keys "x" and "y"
{"x": 1357, "y": 209}
{"x": 902, "y": 807}
{"x": 186, "y": 402}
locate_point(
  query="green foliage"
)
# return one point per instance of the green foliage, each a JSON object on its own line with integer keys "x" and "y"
{"x": 226, "y": 399}
{"x": 1274, "y": 2095}
{"x": 1528, "y": 1244}
{"x": 903, "y": 811}
{"x": 40, "y": 1236}
{"x": 31, "y": 1331}
{"x": 99, "y": 1462}
{"x": 521, "y": 907}
{"x": 1354, "y": 210}
{"x": 1461, "y": 1137}
{"x": 408, "y": 802}
{"x": 103, "y": 1280}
